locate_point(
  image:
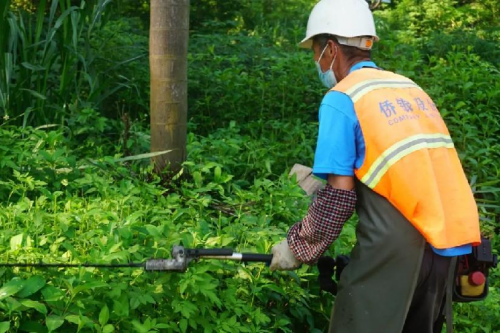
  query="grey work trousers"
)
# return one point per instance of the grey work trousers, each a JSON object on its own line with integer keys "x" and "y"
{"x": 393, "y": 277}
{"x": 429, "y": 295}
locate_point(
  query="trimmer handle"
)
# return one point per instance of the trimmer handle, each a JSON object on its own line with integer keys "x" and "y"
{"x": 198, "y": 253}
{"x": 256, "y": 257}
{"x": 181, "y": 258}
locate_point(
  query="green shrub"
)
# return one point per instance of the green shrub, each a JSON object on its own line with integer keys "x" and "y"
{"x": 244, "y": 79}
{"x": 67, "y": 195}
{"x": 101, "y": 214}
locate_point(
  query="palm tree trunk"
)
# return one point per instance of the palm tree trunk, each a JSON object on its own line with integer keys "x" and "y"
{"x": 168, "y": 43}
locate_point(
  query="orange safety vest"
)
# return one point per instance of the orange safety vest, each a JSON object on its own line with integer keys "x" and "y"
{"x": 410, "y": 158}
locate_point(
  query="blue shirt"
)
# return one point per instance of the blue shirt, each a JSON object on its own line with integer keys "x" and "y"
{"x": 341, "y": 147}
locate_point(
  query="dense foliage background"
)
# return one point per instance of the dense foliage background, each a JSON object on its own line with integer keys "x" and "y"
{"x": 74, "y": 104}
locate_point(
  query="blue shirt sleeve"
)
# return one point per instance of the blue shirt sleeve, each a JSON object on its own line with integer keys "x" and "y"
{"x": 340, "y": 146}
{"x": 453, "y": 251}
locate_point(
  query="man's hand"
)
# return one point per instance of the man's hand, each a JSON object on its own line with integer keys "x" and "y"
{"x": 283, "y": 258}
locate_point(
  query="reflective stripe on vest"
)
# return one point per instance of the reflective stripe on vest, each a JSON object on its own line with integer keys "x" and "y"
{"x": 362, "y": 88}
{"x": 410, "y": 158}
{"x": 400, "y": 150}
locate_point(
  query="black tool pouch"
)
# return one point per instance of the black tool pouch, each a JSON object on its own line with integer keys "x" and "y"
{"x": 472, "y": 271}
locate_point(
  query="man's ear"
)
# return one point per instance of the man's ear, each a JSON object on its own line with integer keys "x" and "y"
{"x": 331, "y": 48}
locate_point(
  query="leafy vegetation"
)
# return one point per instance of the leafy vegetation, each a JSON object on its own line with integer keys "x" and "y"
{"x": 74, "y": 101}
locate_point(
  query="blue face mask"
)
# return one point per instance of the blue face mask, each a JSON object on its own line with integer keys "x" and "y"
{"x": 327, "y": 78}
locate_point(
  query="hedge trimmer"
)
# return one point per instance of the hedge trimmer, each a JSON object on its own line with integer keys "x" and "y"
{"x": 181, "y": 257}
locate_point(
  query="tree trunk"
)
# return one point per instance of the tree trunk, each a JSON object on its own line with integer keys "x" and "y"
{"x": 168, "y": 43}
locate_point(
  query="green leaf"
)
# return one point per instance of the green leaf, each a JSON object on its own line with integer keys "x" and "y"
{"x": 4, "y": 326}
{"x": 188, "y": 309}
{"x": 134, "y": 303}
{"x": 15, "y": 242}
{"x": 32, "y": 67}
{"x": 54, "y": 322}
{"x": 12, "y": 304}
{"x": 198, "y": 179}
{"x": 34, "y": 305}
{"x": 148, "y": 298}
{"x": 161, "y": 326}
{"x": 104, "y": 315}
{"x": 121, "y": 307}
{"x": 115, "y": 247}
{"x": 52, "y": 294}
{"x": 139, "y": 327}
{"x": 89, "y": 285}
{"x": 142, "y": 156}
{"x": 73, "y": 319}
{"x": 11, "y": 288}
{"x": 120, "y": 256}
{"x": 153, "y": 230}
{"x": 213, "y": 297}
{"x": 274, "y": 288}
{"x": 35, "y": 94}
{"x": 217, "y": 173}
{"x": 183, "y": 325}
{"x": 108, "y": 329}
{"x": 32, "y": 285}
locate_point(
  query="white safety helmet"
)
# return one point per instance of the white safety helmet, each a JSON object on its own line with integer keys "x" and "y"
{"x": 348, "y": 20}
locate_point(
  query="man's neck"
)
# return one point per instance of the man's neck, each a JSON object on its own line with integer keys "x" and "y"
{"x": 346, "y": 67}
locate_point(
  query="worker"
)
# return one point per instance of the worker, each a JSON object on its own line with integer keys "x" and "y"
{"x": 384, "y": 151}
